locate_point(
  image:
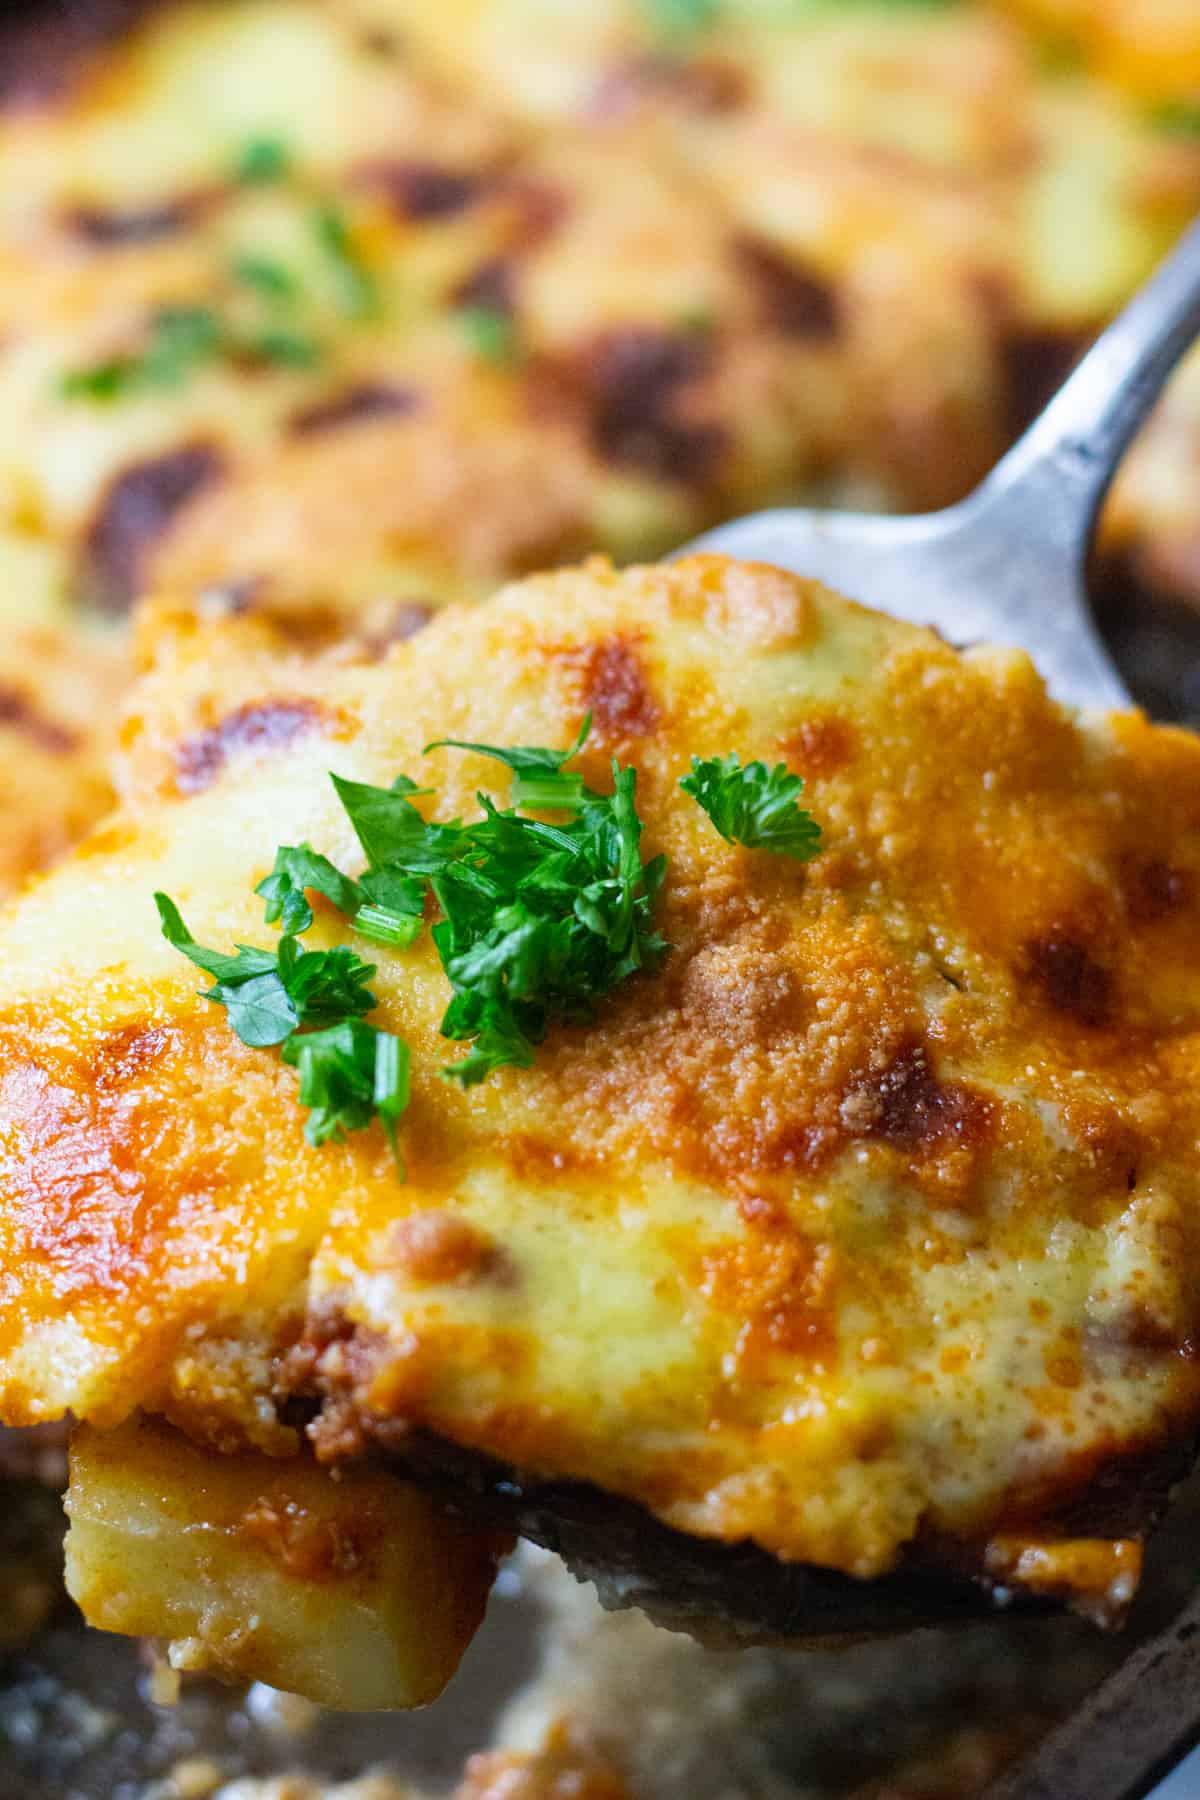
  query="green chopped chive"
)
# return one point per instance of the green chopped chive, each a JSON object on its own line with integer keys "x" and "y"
{"x": 391, "y": 1094}
{"x": 383, "y": 926}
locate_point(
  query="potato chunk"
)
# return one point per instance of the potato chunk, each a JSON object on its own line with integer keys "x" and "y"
{"x": 356, "y": 1592}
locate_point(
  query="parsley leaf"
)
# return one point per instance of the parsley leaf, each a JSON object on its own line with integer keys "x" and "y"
{"x": 261, "y": 1011}
{"x": 324, "y": 985}
{"x": 231, "y": 969}
{"x": 178, "y": 339}
{"x": 298, "y": 867}
{"x": 262, "y": 160}
{"x": 392, "y": 831}
{"x": 358, "y": 290}
{"x": 540, "y": 781}
{"x": 350, "y": 1074}
{"x": 538, "y": 921}
{"x": 290, "y": 349}
{"x": 267, "y": 276}
{"x": 491, "y": 334}
{"x": 754, "y": 805}
{"x": 269, "y": 994}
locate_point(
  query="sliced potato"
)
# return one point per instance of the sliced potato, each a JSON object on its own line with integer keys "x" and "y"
{"x": 356, "y": 1592}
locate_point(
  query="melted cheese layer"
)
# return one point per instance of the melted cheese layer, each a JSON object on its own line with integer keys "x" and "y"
{"x": 870, "y": 1218}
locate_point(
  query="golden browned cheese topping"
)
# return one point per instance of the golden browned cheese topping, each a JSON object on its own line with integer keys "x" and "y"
{"x": 870, "y": 1217}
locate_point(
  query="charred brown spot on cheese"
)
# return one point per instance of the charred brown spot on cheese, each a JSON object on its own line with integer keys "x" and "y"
{"x": 358, "y": 405}
{"x": 232, "y": 599}
{"x": 906, "y": 1105}
{"x": 1070, "y": 978}
{"x": 1034, "y": 364}
{"x": 614, "y": 688}
{"x": 405, "y": 620}
{"x": 490, "y": 286}
{"x": 19, "y": 712}
{"x": 435, "y": 1247}
{"x": 1154, "y": 889}
{"x": 1134, "y": 1331}
{"x": 779, "y": 1286}
{"x": 107, "y": 229}
{"x": 90, "y": 1209}
{"x": 822, "y": 745}
{"x": 537, "y": 208}
{"x": 308, "y": 1546}
{"x": 126, "y": 1054}
{"x": 46, "y": 46}
{"x": 135, "y": 511}
{"x": 793, "y": 300}
{"x": 639, "y": 392}
{"x": 387, "y": 45}
{"x": 422, "y": 190}
{"x": 1114, "y": 1145}
{"x": 736, "y": 998}
{"x": 261, "y": 725}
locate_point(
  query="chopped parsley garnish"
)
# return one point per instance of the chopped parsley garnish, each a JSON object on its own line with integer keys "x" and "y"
{"x": 299, "y": 867}
{"x": 311, "y": 1003}
{"x": 357, "y": 288}
{"x": 491, "y": 334}
{"x": 178, "y": 341}
{"x": 350, "y": 1074}
{"x": 265, "y": 274}
{"x": 754, "y": 805}
{"x": 287, "y": 349}
{"x": 682, "y": 18}
{"x": 381, "y": 906}
{"x": 257, "y": 314}
{"x": 261, "y": 161}
{"x": 538, "y": 921}
{"x": 179, "y": 338}
{"x": 268, "y": 994}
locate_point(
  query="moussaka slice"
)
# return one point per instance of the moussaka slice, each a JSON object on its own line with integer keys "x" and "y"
{"x": 783, "y": 1200}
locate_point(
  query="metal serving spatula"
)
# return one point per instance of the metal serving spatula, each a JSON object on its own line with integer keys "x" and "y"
{"x": 1008, "y": 564}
